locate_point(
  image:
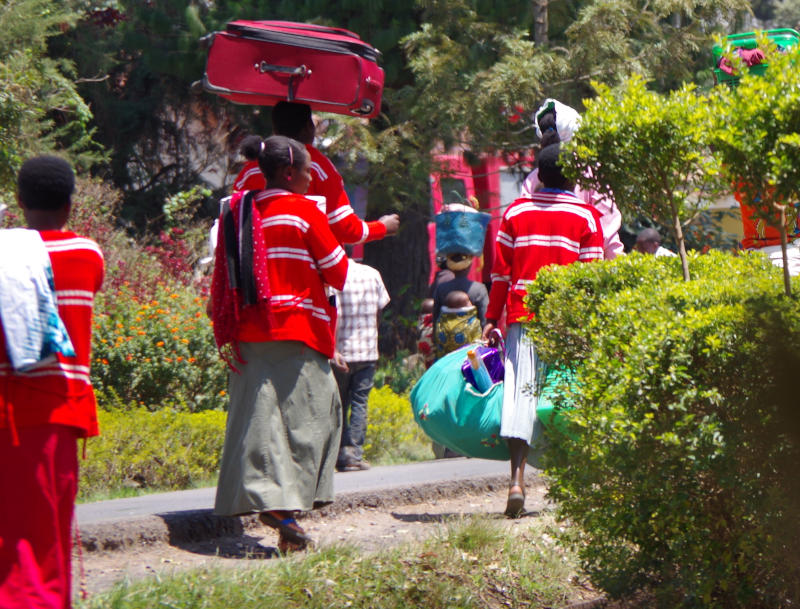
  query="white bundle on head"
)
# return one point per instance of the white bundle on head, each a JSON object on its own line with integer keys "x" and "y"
{"x": 567, "y": 119}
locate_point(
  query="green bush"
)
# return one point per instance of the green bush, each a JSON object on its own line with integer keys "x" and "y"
{"x": 172, "y": 450}
{"x": 680, "y": 457}
{"x": 399, "y": 371}
{"x": 392, "y": 434}
{"x": 158, "y": 353}
{"x": 163, "y": 450}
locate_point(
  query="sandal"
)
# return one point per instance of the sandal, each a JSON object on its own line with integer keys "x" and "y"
{"x": 515, "y": 505}
{"x": 286, "y": 546}
{"x": 287, "y": 528}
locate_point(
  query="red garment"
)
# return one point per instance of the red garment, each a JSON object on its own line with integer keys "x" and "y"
{"x": 60, "y": 392}
{"x": 756, "y": 232}
{"x": 250, "y": 178}
{"x": 240, "y": 276}
{"x": 302, "y": 256}
{"x": 345, "y": 224}
{"x": 548, "y": 228}
{"x": 38, "y": 483}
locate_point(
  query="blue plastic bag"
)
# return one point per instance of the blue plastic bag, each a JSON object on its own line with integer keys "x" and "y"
{"x": 461, "y": 232}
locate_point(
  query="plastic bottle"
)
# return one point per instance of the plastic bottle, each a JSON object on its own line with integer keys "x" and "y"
{"x": 483, "y": 382}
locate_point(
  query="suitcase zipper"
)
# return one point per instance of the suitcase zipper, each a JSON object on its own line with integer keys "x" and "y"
{"x": 318, "y": 44}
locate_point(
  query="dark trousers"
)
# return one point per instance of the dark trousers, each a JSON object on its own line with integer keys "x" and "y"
{"x": 354, "y": 387}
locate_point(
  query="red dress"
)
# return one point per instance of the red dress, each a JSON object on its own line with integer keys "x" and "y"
{"x": 42, "y": 413}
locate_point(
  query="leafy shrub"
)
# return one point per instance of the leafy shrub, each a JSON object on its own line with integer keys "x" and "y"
{"x": 172, "y": 450}
{"x": 679, "y": 465}
{"x": 156, "y": 353}
{"x": 400, "y": 371}
{"x": 158, "y": 450}
{"x": 392, "y": 433}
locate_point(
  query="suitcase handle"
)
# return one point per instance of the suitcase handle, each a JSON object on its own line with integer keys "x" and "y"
{"x": 293, "y": 72}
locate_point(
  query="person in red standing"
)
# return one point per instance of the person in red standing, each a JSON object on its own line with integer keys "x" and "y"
{"x": 294, "y": 120}
{"x": 273, "y": 317}
{"x": 44, "y": 410}
{"x": 250, "y": 176}
{"x": 552, "y": 226}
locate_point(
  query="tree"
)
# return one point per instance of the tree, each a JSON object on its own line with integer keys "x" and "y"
{"x": 757, "y": 137}
{"x": 40, "y": 110}
{"x": 651, "y": 151}
{"x": 137, "y": 62}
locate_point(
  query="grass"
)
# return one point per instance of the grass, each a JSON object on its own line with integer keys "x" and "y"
{"x": 471, "y": 563}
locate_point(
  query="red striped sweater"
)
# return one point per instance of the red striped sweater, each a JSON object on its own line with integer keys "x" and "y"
{"x": 548, "y": 228}
{"x": 302, "y": 257}
{"x": 345, "y": 224}
{"x": 60, "y": 392}
{"x": 250, "y": 178}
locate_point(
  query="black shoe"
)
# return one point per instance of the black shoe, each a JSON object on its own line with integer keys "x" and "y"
{"x": 356, "y": 465}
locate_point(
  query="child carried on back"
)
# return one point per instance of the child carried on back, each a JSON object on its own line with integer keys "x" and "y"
{"x": 459, "y": 308}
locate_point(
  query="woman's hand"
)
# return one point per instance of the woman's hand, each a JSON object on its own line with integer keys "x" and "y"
{"x": 339, "y": 362}
{"x": 489, "y": 334}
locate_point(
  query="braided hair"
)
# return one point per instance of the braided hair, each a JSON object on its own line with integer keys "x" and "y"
{"x": 547, "y": 125}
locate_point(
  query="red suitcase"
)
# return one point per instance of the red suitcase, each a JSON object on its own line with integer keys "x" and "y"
{"x": 264, "y": 62}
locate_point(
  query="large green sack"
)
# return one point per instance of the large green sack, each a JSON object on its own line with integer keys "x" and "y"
{"x": 550, "y": 402}
{"x": 452, "y": 412}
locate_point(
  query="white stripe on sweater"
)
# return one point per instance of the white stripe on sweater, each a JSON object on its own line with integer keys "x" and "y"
{"x": 332, "y": 259}
{"x": 75, "y": 243}
{"x": 286, "y": 220}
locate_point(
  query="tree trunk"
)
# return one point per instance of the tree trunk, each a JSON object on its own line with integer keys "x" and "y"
{"x": 540, "y": 24}
{"x": 787, "y": 281}
{"x": 676, "y": 225}
{"x": 404, "y": 264}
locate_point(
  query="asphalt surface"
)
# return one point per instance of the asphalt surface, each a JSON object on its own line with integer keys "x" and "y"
{"x": 188, "y": 515}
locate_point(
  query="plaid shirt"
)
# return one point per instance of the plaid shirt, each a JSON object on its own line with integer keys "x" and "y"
{"x": 359, "y": 304}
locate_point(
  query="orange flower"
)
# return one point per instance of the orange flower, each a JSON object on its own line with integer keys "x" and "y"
{"x": 185, "y": 341}
{"x": 160, "y": 343}
{"x": 191, "y": 360}
{"x": 105, "y": 361}
{"x": 141, "y": 333}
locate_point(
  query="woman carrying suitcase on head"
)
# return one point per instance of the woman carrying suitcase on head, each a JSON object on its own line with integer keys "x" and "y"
{"x": 294, "y": 120}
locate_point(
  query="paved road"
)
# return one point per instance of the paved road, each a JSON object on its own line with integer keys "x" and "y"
{"x": 376, "y": 479}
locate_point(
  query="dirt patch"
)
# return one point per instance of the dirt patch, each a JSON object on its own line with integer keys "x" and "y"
{"x": 369, "y": 528}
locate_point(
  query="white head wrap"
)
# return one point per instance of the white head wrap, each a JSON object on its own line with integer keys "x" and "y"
{"x": 567, "y": 119}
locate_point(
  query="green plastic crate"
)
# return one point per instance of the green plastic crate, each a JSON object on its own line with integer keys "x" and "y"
{"x": 785, "y": 38}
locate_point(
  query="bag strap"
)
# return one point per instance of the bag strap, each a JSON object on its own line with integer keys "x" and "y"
{"x": 500, "y": 342}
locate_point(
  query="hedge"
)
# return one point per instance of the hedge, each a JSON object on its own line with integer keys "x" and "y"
{"x": 171, "y": 450}
{"x": 678, "y": 463}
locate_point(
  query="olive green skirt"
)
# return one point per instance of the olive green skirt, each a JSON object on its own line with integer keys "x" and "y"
{"x": 283, "y": 431}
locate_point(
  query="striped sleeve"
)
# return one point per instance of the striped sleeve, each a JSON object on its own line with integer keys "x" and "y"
{"x": 346, "y": 226}
{"x": 591, "y": 245}
{"x": 501, "y": 270}
{"x": 328, "y": 255}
